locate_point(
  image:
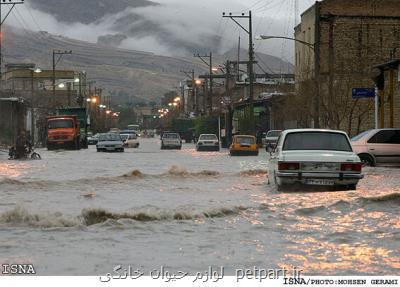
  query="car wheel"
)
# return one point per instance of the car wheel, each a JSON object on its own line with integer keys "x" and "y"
{"x": 367, "y": 160}
{"x": 98, "y": 150}
{"x": 352, "y": 187}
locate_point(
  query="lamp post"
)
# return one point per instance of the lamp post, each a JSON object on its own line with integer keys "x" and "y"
{"x": 316, "y": 71}
{"x": 33, "y": 71}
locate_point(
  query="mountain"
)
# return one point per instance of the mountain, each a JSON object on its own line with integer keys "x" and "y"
{"x": 122, "y": 73}
{"x": 265, "y": 63}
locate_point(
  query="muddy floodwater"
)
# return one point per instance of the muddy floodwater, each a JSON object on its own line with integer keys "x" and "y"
{"x": 83, "y": 212}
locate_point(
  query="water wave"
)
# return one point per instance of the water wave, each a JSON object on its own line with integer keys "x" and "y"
{"x": 21, "y": 217}
{"x": 136, "y": 174}
{"x": 95, "y": 216}
{"x": 16, "y": 182}
{"x": 177, "y": 171}
{"x": 382, "y": 199}
{"x": 311, "y": 210}
{"x": 254, "y": 172}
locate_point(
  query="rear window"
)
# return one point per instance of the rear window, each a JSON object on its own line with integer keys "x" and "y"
{"x": 170, "y": 136}
{"x": 360, "y": 136}
{"x": 208, "y": 137}
{"x": 274, "y": 134}
{"x": 245, "y": 140}
{"x": 316, "y": 141}
{"x": 110, "y": 137}
{"x": 61, "y": 124}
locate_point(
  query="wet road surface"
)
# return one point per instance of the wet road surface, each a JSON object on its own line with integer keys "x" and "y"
{"x": 83, "y": 212}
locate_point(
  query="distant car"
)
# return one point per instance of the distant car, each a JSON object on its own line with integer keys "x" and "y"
{"x": 110, "y": 142}
{"x": 171, "y": 141}
{"x": 314, "y": 157}
{"x": 377, "y": 146}
{"x": 270, "y": 139}
{"x": 243, "y": 145}
{"x": 92, "y": 140}
{"x": 207, "y": 142}
{"x": 130, "y": 140}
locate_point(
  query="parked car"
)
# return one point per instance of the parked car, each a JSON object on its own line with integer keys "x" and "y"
{"x": 130, "y": 140}
{"x": 171, "y": 141}
{"x": 207, "y": 142}
{"x": 270, "y": 139}
{"x": 92, "y": 140}
{"x": 314, "y": 157}
{"x": 110, "y": 142}
{"x": 378, "y": 146}
{"x": 243, "y": 145}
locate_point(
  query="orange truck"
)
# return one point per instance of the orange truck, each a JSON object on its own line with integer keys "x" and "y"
{"x": 63, "y": 132}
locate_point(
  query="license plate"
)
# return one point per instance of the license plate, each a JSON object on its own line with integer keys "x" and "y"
{"x": 320, "y": 166}
{"x": 320, "y": 182}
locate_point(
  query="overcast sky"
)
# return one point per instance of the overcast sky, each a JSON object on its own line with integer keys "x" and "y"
{"x": 188, "y": 20}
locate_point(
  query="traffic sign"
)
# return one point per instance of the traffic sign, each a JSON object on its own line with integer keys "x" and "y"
{"x": 358, "y": 93}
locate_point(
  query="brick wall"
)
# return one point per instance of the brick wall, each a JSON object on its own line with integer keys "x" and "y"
{"x": 355, "y": 36}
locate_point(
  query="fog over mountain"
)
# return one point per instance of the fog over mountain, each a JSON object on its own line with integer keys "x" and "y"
{"x": 168, "y": 27}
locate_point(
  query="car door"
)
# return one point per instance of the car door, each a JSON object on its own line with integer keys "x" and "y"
{"x": 385, "y": 146}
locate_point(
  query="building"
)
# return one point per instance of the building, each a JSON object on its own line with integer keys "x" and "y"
{"x": 12, "y": 119}
{"x": 35, "y": 88}
{"x": 346, "y": 41}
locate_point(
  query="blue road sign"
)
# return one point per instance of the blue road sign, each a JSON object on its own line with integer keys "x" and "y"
{"x": 358, "y": 93}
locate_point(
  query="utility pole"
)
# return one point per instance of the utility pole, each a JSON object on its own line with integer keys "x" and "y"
{"x": 59, "y": 54}
{"x": 12, "y": 3}
{"x": 228, "y": 103}
{"x": 210, "y": 94}
{"x": 190, "y": 74}
{"x": 249, "y": 31}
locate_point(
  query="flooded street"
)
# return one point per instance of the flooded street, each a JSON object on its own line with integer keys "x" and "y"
{"x": 83, "y": 212}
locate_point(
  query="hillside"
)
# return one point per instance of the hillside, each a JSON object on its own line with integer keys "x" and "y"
{"x": 123, "y": 73}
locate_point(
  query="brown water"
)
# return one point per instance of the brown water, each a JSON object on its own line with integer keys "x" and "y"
{"x": 82, "y": 213}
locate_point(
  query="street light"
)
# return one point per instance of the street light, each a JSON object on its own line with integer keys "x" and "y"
{"x": 316, "y": 70}
{"x": 263, "y": 37}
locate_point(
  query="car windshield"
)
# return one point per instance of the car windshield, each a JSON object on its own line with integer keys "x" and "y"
{"x": 316, "y": 141}
{"x": 61, "y": 124}
{"x": 274, "y": 133}
{"x": 208, "y": 137}
{"x": 360, "y": 136}
{"x": 245, "y": 140}
{"x": 110, "y": 137}
{"x": 170, "y": 136}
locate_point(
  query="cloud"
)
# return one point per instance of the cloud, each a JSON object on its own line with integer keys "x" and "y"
{"x": 173, "y": 28}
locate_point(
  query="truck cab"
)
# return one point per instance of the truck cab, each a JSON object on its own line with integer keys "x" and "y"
{"x": 63, "y": 132}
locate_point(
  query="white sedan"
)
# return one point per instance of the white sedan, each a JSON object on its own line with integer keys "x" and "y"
{"x": 110, "y": 142}
{"x": 130, "y": 140}
{"x": 314, "y": 157}
{"x": 207, "y": 142}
